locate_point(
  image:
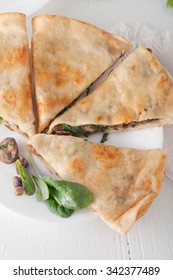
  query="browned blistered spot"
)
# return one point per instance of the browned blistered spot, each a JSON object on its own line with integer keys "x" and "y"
{"x": 77, "y": 77}
{"x": 60, "y": 79}
{"x": 66, "y": 73}
{"x": 42, "y": 77}
{"x": 124, "y": 115}
{"x": 107, "y": 156}
{"x": 83, "y": 101}
{"x": 58, "y": 101}
{"x": 133, "y": 67}
{"x": 62, "y": 75}
{"x": 58, "y": 74}
{"x": 64, "y": 100}
{"x": 78, "y": 166}
{"x": 18, "y": 56}
{"x": 99, "y": 118}
{"x": 105, "y": 151}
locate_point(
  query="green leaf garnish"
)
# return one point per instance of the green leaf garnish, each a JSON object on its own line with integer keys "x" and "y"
{"x": 61, "y": 197}
{"x": 71, "y": 195}
{"x": 57, "y": 209}
{"x": 42, "y": 193}
{"x": 27, "y": 179}
{"x": 170, "y": 3}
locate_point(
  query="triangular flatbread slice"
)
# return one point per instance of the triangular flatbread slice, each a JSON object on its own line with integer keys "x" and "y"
{"x": 138, "y": 93}
{"x": 124, "y": 181}
{"x": 16, "y": 109}
{"x": 68, "y": 56}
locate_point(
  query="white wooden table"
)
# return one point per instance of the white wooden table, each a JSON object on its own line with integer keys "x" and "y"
{"x": 152, "y": 236}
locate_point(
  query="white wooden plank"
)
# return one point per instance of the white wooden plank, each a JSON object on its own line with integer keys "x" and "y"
{"x": 24, "y": 238}
{"x": 152, "y": 236}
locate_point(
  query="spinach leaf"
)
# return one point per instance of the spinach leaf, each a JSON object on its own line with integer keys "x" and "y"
{"x": 57, "y": 209}
{"x": 74, "y": 130}
{"x": 1, "y": 120}
{"x": 104, "y": 138}
{"x": 55, "y": 194}
{"x": 170, "y": 3}
{"x": 98, "y": 127}
{"x": 27, "y": 179}
{"x": 42, "y": 193}
{"x": 71, "y": 195}
{"x": 85, "y": 130}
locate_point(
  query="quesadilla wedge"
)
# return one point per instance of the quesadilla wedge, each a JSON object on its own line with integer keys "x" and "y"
{"x": 16, "y": 108}
{"x": 124, "y": 181}
{"x": 137, "y": 94}
{"x": 68, "y": 56}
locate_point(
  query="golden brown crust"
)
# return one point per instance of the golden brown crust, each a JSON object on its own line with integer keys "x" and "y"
{"x": 139, "y": 89}
{"x": 68, "y": 55}
{"x": 15, "y": 81}
{"x": 124, "y": 181}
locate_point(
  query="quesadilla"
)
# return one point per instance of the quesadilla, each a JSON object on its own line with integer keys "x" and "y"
{"x": 16, "y": 108}
{"x": 68, "y": 56}
{"x": 137, "y": 94}
{"x": 124, "y": 181}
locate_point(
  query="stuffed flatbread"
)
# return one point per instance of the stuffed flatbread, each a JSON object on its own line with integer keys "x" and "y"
{"x": 124, "y": 181}
{"x": 137, "y": 94}
{"x": 16, "y": 108}
{"x": 68, "y": 56}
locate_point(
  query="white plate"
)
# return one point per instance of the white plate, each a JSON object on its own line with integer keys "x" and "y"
{"x": 27, "y": 7}
{"x": 28, "y": 206}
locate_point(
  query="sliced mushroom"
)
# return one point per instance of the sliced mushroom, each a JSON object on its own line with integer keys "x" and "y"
{"x": 19, "y": 190}
{"x": 23, "y": 161}
{"x": 8, "y": 150}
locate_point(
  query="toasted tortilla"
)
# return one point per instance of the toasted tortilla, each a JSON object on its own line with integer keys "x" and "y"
{"x": 16, "y": 108}
{"x": 124, "y": 181}
{"x": 137, "y": 94}
{"x": 68, "y": 56}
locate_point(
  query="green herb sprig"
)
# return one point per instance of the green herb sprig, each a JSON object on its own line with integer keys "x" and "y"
{"x": 170, "y": 3}
{"x": 61, "y": 197}
{"x": 1, "y": 120}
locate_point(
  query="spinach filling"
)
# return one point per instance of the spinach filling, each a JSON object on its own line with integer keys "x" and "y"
{"x": 82, "y": 130}
{"x": 1, "y": 120}
{"x": 86, "y": 130}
